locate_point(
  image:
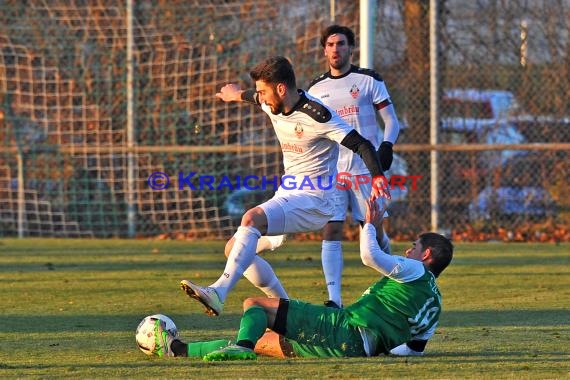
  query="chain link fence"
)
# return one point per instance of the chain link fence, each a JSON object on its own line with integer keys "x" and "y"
{"x": 66, "y": 152}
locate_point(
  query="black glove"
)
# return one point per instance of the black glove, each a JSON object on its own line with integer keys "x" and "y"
{"x": 385, "y": 155}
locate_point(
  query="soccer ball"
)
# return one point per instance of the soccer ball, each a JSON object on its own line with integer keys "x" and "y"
{"x": 145, "y": 332}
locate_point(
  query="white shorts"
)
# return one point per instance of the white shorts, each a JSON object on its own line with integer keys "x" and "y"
{"x": 353, "y": 199}
{"x": 289, "y": 212}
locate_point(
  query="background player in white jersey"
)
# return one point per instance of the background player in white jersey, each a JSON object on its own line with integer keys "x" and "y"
{"x": 358, "y": 96}
{"x": 309, "y": 134}
{"x": 398, "y": 314}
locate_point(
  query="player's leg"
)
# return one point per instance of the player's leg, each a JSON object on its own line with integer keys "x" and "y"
{"x": 197, "y": 349}
{"x": 259, "y": 313}
{"x": 317, "y": 330}
{"x": 267, "y": 243}
{"x": 286, "y": 213}
{"x": 242, "y": 254}
{"x": 166, "y": 344}
{"x": 332, "y": 259}
{"x": 261, "y": 275}
{"x": 274, "y": 345}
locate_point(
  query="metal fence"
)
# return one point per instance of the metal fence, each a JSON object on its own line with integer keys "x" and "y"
{"x": 70, "y": 86}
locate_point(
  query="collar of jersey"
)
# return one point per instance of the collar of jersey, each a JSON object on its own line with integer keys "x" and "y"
{"x": 302, "y": 100}
{"x": 351, "y": 70}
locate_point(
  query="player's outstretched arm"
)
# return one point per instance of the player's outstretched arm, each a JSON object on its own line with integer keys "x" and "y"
{"x": 370, "y": 253}
{"x": 230, "y": 93}
{"x": 391, "y": 124}
{"x": 364, "y": 148}
{"x": 391, "y": 131}
{"x": 233, "y": 93}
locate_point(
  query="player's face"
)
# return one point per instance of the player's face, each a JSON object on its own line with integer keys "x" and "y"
{"x": 267, "y": 94}
{"x": 338, "y": 52}
{"x": 416, "y": 252}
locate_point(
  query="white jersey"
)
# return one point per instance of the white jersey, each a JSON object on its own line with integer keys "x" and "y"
{"x": 355, "y": 96}
{"x": 310, "y": 137}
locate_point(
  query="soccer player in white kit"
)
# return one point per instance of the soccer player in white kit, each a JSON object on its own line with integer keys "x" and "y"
{"x": 357, "y": 95}
{"x": 309, "y": 134}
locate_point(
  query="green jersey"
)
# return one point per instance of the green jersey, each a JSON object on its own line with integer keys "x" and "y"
{"x": 396, "y": 310}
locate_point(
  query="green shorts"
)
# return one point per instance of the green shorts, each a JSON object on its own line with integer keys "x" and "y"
{"x": 317, "y": 331}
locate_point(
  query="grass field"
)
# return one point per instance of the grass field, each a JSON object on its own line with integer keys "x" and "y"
{"x": 70, "y": 309}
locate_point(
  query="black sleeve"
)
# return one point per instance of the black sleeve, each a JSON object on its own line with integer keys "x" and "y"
{"x": 250, "y": 96}
{"x": 364, "y": 148}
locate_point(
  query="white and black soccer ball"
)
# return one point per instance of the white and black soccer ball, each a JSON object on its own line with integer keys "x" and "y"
{"x": 145, "y": 332}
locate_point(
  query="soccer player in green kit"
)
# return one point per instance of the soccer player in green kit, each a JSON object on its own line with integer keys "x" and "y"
{"x": 398, "y": 314}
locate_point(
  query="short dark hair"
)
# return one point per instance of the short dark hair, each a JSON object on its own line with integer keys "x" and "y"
{"x": 275, "y": 70}
{"x": 441, "y": 251}
{"x": 337, "y": 29}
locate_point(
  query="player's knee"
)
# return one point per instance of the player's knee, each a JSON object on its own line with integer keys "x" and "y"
{"x": 333, "y": 231}
{"x": 254, "y": 217}
{"x": 249, "y": 302}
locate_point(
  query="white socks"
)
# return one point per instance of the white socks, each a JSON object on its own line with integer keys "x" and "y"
{"x": 270, "y": 242}
{"x": 332, "y": 261}
{"x": 240, "y": 258}
{"x": 260, "y": 274}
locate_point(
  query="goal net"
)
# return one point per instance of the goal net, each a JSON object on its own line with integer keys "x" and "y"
{"x": 63, "y": 88}
{"x": 86, "y": 143}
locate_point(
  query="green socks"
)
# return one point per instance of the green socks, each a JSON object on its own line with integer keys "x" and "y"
{"x": 199, "y": 349}
{"x": 252, "y": 326}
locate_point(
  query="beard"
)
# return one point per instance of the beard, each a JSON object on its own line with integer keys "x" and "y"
{"x": 340, "y": 63}
{"x": 277, "y": 108}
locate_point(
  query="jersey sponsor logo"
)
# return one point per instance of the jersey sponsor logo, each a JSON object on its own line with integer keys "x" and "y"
{"x": 346, "y": 111}
{"x": 299, "y": 130}
{"x": 288, "y": 147}
{"x": 354, "y": 91}
{"x": 325, "y": 96}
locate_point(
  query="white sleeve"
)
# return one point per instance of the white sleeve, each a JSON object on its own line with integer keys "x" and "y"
{"x": 391, "y": 124}
{"x": 371, "y": 254}
{"x": 398, "y": 268}
{"x": 404, "y": 350}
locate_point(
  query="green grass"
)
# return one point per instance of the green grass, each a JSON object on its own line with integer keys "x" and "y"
{"x": 70, "y": 309}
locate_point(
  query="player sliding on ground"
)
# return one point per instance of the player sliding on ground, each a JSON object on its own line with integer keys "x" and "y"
{"x": 309, "y": 133}
{"x": 398, "y": 314}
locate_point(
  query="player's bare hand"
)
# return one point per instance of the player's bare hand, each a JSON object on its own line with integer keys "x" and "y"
{"x": 380, "y": 188}
{"x": 230, "y": 93}
{"x": 374, "y": 212}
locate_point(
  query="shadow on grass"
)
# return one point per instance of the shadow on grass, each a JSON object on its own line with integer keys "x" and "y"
{"x": 30, "y": 324}
{"x": 515, "y": 317}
